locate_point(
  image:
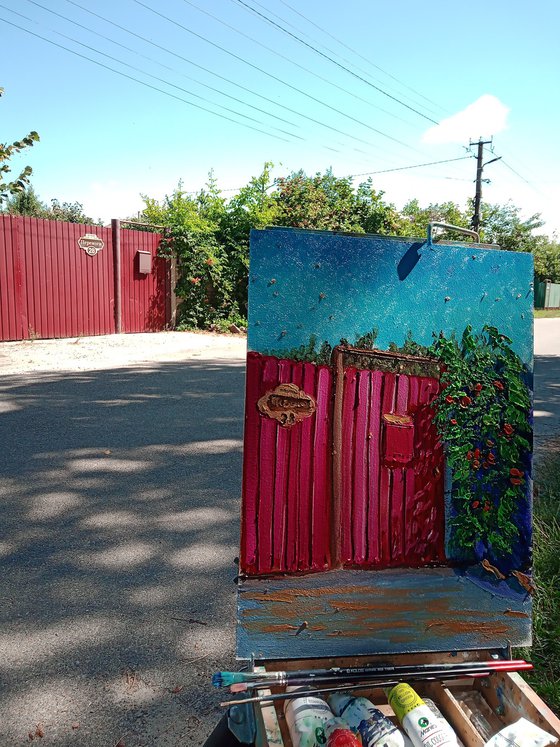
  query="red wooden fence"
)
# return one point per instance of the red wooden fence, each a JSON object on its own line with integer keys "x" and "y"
{"x": 50, "y": 287}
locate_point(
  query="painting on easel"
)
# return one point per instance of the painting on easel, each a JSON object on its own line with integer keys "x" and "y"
{"x": 387, "y": 460}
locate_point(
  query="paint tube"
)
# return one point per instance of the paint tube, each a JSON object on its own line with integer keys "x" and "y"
{"x": 419, "y": 722}
{"x": 339, "y": 734}
{"x": 435, "y": 710}
{"x": 522, "y": 734}
{"x": 375, "y": 729}
{"x": 306, "y": 718}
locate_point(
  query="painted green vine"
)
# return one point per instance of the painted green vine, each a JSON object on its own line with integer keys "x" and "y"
{"x": 482, "y": 415}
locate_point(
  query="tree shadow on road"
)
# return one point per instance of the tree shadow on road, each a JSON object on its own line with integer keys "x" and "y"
{"x": 120, "y": 515}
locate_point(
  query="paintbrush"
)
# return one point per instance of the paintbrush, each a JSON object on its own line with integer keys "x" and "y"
{"x": 225, "y": 679}
{"x": 354, "y": 686}
{"x": 475, "y": 670}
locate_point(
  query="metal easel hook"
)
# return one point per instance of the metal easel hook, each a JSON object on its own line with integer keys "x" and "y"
{"x": 449, "y": 227}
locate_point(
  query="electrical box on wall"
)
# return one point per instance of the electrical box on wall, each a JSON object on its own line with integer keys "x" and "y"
{"x": 144, "y": 262}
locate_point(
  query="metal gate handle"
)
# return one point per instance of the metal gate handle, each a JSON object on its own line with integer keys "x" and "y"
{"x": 448, "y": 226}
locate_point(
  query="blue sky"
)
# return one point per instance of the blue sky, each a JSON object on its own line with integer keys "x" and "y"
{"x": 106, "y": 138}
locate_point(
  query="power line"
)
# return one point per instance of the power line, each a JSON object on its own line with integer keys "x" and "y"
{"x": 137, "y": 80}
{"x": 338, "y": 64}
{"x": 414, "y": 166}
{"x": 274, "y": 77}
{"x": 144, "y": 72}
{"x": 228, "y": 80}
{"x": 293, "y": 62}
{"x": 351, "y": 49}
{"x": 156, "y": 62}
{"x": 372, "y": 173}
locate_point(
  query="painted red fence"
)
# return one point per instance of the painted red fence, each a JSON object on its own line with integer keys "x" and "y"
{"x": 358, "y": 483}
{"x": 391, "y": 471}
{"x": 50, "y": 287}
{"x": 287, "y": 473}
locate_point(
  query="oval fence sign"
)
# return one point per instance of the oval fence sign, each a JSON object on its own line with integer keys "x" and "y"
{"x": 287, "y": 404}
{"x": 91, "y": 244}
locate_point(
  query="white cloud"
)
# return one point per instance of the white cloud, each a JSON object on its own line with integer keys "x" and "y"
{"x": 486, "y": 116}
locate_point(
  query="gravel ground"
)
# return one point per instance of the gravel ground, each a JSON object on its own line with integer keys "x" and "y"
{"x": 114, "y": 351}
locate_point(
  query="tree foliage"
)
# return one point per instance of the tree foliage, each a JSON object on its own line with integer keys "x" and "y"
{"x": 209, "y": 234}
{"x": 27, "y": 202}
{"x": 7, "y": 151}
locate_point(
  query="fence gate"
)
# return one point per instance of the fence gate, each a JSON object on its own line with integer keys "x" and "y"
{"x": 388, "y": 462}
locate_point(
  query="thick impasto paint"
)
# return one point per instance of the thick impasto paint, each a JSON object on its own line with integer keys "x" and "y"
{"x": 388, "y": 438}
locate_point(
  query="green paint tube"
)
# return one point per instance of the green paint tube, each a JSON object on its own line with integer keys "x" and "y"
{"x": 423, "y": 727}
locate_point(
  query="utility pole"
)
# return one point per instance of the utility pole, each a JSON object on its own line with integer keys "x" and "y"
{"x": 478, "y": 192}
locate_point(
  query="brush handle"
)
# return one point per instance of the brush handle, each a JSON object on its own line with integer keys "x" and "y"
{"x": 372, "y": 677}
{"x": 361, "y": 685}
{"x": 384, "y": 670}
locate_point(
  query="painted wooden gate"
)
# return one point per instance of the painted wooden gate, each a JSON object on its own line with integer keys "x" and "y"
{"x": 287, "y": 472}
{"x": 388, "y": 461}
{"x": 354, "y": 479}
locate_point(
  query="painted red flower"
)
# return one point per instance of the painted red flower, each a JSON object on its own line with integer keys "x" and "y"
{"x": 508, "y": 429}
{"x": 469, "y": 455}
{"x": 514, "y": 472}
{"x": 491, "y": 458}
{"x": 476, "y": 463}
{"x": 465, "y": 401}
{"x": 453, "y": 421}
{"x": 449, "y": 399}
{"x": 498, "y": 385}
{"x": 487, "y": 506}
{"x": 210, "y": 261}
{"x": 477, "y": 387}
{"x": 476, "y": 504}
{"x": 477, "y": 453}
{"x": 515, "y": 480}
{"x": 485, "y": 465}
{"x": 195, "y": 281}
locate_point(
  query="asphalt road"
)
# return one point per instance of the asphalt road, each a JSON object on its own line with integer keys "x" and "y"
{"x": 119, "y": 524}
{"x": 119, "y": 527}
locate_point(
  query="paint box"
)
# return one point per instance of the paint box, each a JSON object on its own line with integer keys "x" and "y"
{"x": 387, "y": 461}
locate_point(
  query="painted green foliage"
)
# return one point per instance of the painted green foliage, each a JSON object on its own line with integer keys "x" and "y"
{"x": 482, "y": 414}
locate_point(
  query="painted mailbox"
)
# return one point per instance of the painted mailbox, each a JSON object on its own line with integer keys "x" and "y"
{"x": 387, "y": 461}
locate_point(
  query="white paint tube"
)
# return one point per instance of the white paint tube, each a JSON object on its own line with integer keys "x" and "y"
{"x": 419, "y": 722}
{"x": 375, "y": 729}
{"x": 306, "y": 718}
{"x": 522, "y": 734}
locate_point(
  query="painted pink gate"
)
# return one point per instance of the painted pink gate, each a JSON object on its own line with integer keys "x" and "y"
{"x": 286, "y": 473}
{"x": 50, "y": 286}
{"x": 358, "y": 481}
{"x": 388, "y": 461}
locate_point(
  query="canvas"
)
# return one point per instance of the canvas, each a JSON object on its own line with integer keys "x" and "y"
{"x": 387, "y": 457}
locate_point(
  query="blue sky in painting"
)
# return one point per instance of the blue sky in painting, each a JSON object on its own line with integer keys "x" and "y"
{"x": 305, "y": 283}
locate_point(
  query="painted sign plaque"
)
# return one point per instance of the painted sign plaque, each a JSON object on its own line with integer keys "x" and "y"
{"x": 91, "y": 244}
{"x": 392, "y": 513}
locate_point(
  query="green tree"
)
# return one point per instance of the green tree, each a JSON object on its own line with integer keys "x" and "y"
{"x": 26, "y": 202}
{"x": 416, "y": 219}
{"x": 7, "y": 151}
{"x": 547, "y": 260}
{"x": 502, "y": 225}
